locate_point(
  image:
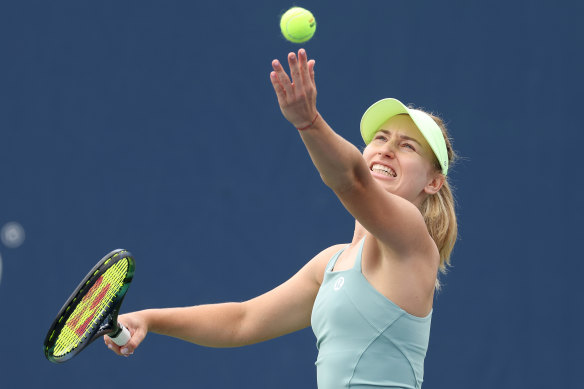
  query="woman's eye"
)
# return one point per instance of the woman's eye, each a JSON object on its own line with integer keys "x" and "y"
{"x": 408, "y": 145}
{"x": 380, "y": 137}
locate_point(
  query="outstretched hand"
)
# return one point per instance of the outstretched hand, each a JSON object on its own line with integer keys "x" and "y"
{"x": 297, "y": 98}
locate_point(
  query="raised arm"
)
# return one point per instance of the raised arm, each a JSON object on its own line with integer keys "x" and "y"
{"x": 394, "y": 221}
{"x": 283, "y": 310}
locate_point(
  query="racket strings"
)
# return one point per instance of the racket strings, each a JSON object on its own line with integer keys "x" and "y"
{"x": 91, "y": 308}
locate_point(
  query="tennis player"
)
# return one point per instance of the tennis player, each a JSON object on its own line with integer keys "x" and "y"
{"x": 369, "y": 301}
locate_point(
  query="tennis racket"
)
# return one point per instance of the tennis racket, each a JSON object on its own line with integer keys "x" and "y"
{"x": 92, "y": 310}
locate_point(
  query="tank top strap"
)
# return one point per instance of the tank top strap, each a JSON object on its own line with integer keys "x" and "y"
{"x": 357, "y": 265}
{"x": 331, "y": 263}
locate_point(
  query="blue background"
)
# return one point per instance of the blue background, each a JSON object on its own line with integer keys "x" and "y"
{"x": 152, "y": 126}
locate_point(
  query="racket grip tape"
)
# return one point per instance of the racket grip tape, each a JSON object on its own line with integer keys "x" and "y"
{"x": 122, "y": 337}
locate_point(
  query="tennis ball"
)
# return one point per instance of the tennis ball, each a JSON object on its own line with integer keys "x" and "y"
{"x": 297, "y": 25}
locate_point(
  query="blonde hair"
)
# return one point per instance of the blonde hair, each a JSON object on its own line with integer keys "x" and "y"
{"x": 438, "y": 210}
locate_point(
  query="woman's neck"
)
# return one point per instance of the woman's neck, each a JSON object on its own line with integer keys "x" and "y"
{"x": 359, "y": 234}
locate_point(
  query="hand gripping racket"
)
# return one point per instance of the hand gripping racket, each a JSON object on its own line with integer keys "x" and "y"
{"x": 92, "y": 310}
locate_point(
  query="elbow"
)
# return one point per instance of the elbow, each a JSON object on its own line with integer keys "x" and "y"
{"x": 347, "y": 182}
{"x": 340, "y": 183}
{"x": 223, "y": 328}
{"x": 244, "y": 330}
{"x": 238, "y": 335}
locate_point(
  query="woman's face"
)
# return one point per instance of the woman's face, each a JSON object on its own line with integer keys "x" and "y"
{"x": 400, "y": 159}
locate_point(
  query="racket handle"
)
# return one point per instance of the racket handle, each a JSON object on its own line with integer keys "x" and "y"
{"x": 122, "y": 337}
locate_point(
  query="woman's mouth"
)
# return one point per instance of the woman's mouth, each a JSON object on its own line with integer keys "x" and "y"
{"x": 384, "y": 170}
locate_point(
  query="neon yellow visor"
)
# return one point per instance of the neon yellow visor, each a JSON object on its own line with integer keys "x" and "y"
{"x": 383, "y": 110}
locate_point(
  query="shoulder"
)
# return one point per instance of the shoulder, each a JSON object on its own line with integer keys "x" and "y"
{"x": 421, "y": 248}
{"x": 317, "y": 265}
{"x": 420, "y": 262}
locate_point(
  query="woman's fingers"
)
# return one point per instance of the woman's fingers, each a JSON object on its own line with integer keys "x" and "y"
{"x": 296, "y": 71}
{"x": 112, "y": 346}
{"x": 138, "y": 331}
{"x": 278, "y": 88}
{"x": 311, "y": 64}
{"x": 137, "y": 338}
{"x": 303, "y": 64}
{"x": 281, "y": 78}
{"x": 127, "y": 349}
{"x": 297, "y": 93}
{"x": 302, "y": 74}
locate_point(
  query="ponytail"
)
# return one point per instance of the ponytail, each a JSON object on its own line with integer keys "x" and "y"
{"x": 439, "y": 214}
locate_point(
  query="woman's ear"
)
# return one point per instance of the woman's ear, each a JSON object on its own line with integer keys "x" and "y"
{"x": 435, "y": 184}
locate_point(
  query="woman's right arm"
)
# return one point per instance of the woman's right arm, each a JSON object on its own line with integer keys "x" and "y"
{"x": 285, "y": 309}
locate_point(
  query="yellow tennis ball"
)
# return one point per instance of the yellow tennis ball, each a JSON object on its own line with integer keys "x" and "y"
{"x": 298, "y": 25}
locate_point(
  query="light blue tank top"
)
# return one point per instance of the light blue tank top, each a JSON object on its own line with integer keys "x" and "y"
{"x": 364, "y": 340}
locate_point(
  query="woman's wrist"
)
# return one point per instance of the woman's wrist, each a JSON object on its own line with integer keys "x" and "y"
{"x": 146, "y": 317}
{"x": 309, "y": 125}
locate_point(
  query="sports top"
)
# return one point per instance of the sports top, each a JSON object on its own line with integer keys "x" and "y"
{"x": 365, "y": 340}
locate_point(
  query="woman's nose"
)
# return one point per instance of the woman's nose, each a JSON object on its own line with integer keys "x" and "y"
{"x": 388, "y": 150}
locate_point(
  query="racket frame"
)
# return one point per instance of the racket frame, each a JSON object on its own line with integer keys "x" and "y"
{"x": 109, "y": 324}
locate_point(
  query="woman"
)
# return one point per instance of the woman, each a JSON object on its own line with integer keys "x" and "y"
{"x": 369, "y": 302}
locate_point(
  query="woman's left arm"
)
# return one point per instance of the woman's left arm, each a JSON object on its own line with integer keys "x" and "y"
{"x": 334, "y": 157}
{"x": 392, "y": 219}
